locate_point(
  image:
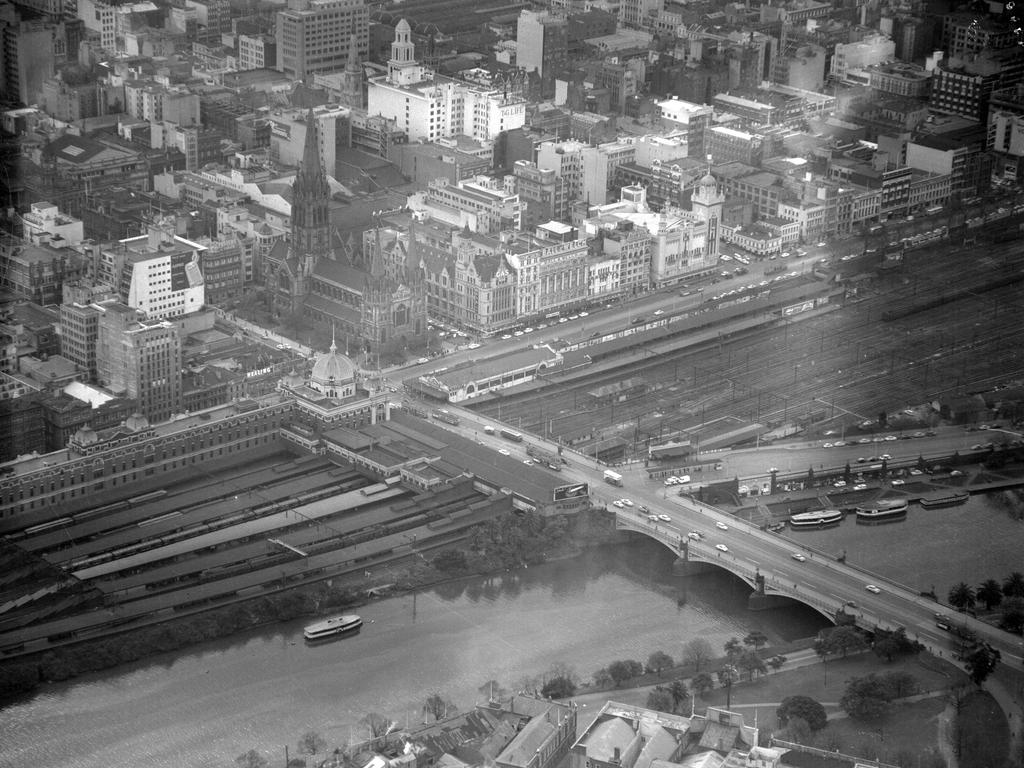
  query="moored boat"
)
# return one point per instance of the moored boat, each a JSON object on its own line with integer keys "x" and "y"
{"x": 946, "y": 500}
{"x": 332, "y": 627}
{"x": 882, "y": 510}
{"x": 815, "y": 518}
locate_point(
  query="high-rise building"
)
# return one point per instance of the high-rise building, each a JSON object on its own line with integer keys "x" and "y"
{"x": 80, "y": 333}
{"x": 140, "y": 359}
{"x": 426, "y": 105}
{"x": 157, "y": 273}
{"x": 316, "y": 35}
{"x": 541, "y": 42}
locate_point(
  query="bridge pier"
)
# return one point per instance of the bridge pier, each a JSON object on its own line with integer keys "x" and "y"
{"x": 762, "y": 602}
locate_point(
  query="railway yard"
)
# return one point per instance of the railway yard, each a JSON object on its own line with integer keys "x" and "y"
{"x": 950, "y": 330}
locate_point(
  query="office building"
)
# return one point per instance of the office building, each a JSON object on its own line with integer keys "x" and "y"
{"x": 158, "y": 273}
{"x": 689, "y": 120}
{"x": 541, "y": 43}
{"x": 316, "y": 36}
{"x": 140, "y": 359}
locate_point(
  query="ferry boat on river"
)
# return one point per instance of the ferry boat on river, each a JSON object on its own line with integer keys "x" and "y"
{"x": 886, "y": 509}
{"x": 332, "y": 627}
{"x": 815, "y": 518}
{"x": 946, "y": 500}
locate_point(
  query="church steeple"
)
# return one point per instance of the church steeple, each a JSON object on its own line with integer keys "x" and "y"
{"x": 353, "y": 76}
{"x": 310, "y": 193}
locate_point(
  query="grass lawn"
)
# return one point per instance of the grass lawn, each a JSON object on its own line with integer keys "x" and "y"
{"x": 908, "y": 726}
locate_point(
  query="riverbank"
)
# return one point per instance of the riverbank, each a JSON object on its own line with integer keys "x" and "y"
{"x": 394, "y": 576}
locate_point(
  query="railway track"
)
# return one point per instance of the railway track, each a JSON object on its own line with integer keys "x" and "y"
{"x": 849, "y": 361}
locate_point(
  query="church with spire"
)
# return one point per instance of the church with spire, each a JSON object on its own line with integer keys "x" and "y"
{"x": 375, "y": 298}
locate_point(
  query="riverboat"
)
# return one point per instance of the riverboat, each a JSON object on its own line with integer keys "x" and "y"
{"x": 946, "y": 500}
{"x": 332, "y": 627}
{"x": 886, "y": 509}
{"x": 816, "y": 518}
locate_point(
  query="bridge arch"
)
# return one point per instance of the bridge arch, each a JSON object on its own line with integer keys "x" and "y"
{"x": 702, "y": 552}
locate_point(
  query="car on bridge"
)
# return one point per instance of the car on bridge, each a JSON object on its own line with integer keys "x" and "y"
{"x": 721, "y": 526}
{"x": 872, "y": 588}
{"x": 798, "y": 557}
{"x": 618, "y": 503}
{"x": 653, "y": 518}
{"x": 721, "y": 547}
{"x": 694, "y": 535}
{"x": 665, "y": 518}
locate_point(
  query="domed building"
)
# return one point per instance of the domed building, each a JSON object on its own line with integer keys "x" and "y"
{"x": 334, "y": 375}
{"x": 334, "y": 393}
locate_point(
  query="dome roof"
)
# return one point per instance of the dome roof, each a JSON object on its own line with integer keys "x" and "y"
{"x": 86, "y": 435}
{"x": 293, "y": 378}
{"x": 708, "y": 180}
{"x": 332, "y": 366}
{"x": 137, "y": 422}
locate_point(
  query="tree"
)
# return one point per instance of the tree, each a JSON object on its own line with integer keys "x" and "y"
{"x": 797, "y": 731}
{"x": 702, "y": 683}
{"x": 900, "y": 684}
{"x": 804, "y": 707}
{"x": 493, "y": 690}
{"x": 865, "y": 698}
{"x": 776, "y": 662}
{"x": 1013, "y": 614}
{"x": 450, "y": 561}
{"x": 889, "y": 645}
{"x": 981, "y": 662}
{"x": 438, "y": 707}
{"x": 558, "y": 688}
{"x": 756, "y": 638}
{"x": 697, "y": 652}
{"x": 846, "y": 472}
{"x": 733, "y": 648}
{"x": 839, "y": 641}
{"x": 990, "y": 593}
{"x": 810, "y": 475}
{"x": 311, "y": 743}
{"x": 658, "y": 661}
{"x": 376, "y": 724}
{"x": 603, "y": 678}
{"x": 751, "y": 663}
{"x": 677, "y": 688}
{"x": 251, "y": 759}
{"x": 623, "y": 671}
{"x": 728, "y": 675}
{"x": 660, "y": 700}
{"x": 961, "y": 596}
{"x": 1013, "y": 586}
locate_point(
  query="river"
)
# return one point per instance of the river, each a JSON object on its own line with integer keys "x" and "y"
{"x": 263, "y": 690}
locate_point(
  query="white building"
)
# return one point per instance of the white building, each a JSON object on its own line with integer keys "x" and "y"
{"x": 850, "y": 58}
{"x": 99, "y": 16}
{"x": 158, "y": 273}
{"x": 428, "y": 106}
{"x": 482, "y": 204}
{"x": 586, "y": 171}
{"x": 46, "y": 224}
{"x": 288, "y": 134}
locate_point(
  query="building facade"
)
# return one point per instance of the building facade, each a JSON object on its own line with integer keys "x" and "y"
{"x": 316, "y": 35}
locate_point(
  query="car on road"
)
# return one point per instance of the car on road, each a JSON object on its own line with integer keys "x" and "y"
{"x": 653, "y": 518}
{"x": 527, "y": 330}
{"x": 916, "y": 472}
{"x": 506, "y": 336}
{"x": 671, "y": 480}
{"x": 665, "y": 518}
{"x": 772, "y": 470}
{"x": 886, "y": 457}
{"x": 659, "y": 312}
{"x": 827, "y": 445}
{"x": 872, "y": 588}
{"x": 918, "y": 434}
{"x": 861, "y": 460}
{"x": 721, "y": 547}
{"x": 899, "y": 482}
{"x": 864, "y": 440}
{"x": 627, "y": 502}
{"x": 504, "y": 452}
{"x": 642, "y": 509}
{"x": 563, "y": 320}
{"x": 860, "y": 487}
{"x": 890, "y": 438}
{"x": 528, "y": 462}
{"x": 798, "y": 557}
{"x": 838, "y": 444}
{"x": 584, "y": 314}
{"x": 694, "y": 535}
{"x": 517, "y": 334}
{"x": 721, "y": 526}
{"x": 618, "y": 503}
{"x": 839, "y": 484}
{"x": 473, "y": 346}
{"x": 423, "y": 360}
